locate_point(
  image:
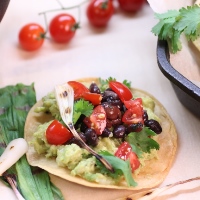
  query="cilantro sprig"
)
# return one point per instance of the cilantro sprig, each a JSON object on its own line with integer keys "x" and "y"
{"x": 142, "y": 142}
{"x": 176, "y": 22}
{"x": 120, "y": 166}
{"x": 82, "y": 107}
{"x": 104, "y": 84}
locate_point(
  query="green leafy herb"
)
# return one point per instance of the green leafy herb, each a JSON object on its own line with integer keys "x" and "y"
{"x": 104, "y": 84}
{"x": 127, "y": 83}
{"x": 82, "y": 107}
{"x": 176, "y": 22}
{"x": 142, "y": 141}
{"x": 120, "y": 166}
{"x": 15, "y": 102}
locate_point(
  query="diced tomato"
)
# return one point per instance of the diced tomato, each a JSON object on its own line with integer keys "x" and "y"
{"x": 57, "y": 134}
{"x": 125, "y": 152}
{"x": 87, "y": 121}
{"x": 131, "y": 104}
{"x": 94, "y": 98}
{"x": 79, "y": 89}
{"x": 121, "y": 90}
{"x": 135, "y": 111}
{"x": 98, "y": 119}
{"x": 134, "y": 161}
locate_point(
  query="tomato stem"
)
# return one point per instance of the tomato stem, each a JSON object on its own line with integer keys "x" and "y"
{"x": 63, "y": 8}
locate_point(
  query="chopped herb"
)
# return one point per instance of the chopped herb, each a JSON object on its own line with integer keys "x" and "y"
{"x": 82, "y": 107}
{"x": 127, "y": 83}
{"x": 104, "y": 84}
{"x": 142, "y": 141}
{"x": 176, "y": 22}
{"x": 120, "y": 166}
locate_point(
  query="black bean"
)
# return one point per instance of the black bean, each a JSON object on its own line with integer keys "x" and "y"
{"x": 119, "y": 131}
{"x": 91, "y": 137}
{"x": 154, "y": 125}
{"x": 83, "y": 127}
{"x": 145, "y": 116}
{"x": 134, "y": 128}
{"x": 106, "y": 132}
{"x": 76, "y": 141}
{"x": 94, "y": 88}
{"x": 109, "y": 96}
{"x": 112, "y": 112}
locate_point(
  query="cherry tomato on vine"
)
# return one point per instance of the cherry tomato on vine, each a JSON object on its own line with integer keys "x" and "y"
{"x": 31, "y": 36}
{"x": 63, "y": 27}
{"x": 131, "y": 5}
{"x": 99, "y": 12}
{"x": 57, "y": 134}
{"x": 122, "y": 90}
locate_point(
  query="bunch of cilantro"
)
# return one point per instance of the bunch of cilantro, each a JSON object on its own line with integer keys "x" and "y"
{"x": 176, "y": 22}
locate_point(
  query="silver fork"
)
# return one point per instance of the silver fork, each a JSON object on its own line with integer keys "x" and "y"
{"x": 65, "y": 100}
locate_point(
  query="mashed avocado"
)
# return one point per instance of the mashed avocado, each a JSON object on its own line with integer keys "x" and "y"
{"x": 149, "y": 106}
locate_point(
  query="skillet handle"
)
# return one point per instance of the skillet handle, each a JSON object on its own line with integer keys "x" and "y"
{"x": 3, "y": 7}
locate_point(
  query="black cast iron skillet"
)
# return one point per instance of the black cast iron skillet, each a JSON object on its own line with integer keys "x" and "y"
{"x": 186, "y": 91}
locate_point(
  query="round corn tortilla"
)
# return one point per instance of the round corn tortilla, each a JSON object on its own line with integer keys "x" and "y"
{"x": 150, "y": 176}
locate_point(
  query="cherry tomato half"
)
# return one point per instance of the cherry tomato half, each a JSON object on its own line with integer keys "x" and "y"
{"x": 98, "y": 119}
{"x": 133, "y": 103}
{"x": 121, "y": 90}
{"x": 125, "y": 152}
{"x": 31, "y": 36}
{"x": 94, "y": 98}
{"x": 79, "y": 89}
{"x": 57, "y": 134}
{"x": 131, "y": 5}
{"x": 135, "y": 112}
{"x": 62, "y": 28}
{"x": 99, "y": 12}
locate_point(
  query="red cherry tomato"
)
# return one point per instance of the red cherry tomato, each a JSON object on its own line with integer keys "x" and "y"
{"x": 94, "y": 98}
{"x": 133, "y": 103}
{"x": 79, "y": 89}
{"x": 135, "y": 112}
{"x": 125, "y": 152}
{"x": 31, "y": 37}
{"x": 57, "y": 134}
{"x": 62, "y": 28}
{"x": 98, "y": 119}
{"x": 121, "y": 90}
{"x": 131, "y": 5}
{"x": 99, "y": 12}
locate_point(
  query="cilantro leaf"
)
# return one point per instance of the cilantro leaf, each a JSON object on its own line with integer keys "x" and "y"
{"x": 120, "y": 166}
{"x": 82, "y": 107}
{"x": 173, "y": 23}
{"x": 104, "y": 84}
{"x": 142, "y": 140}
{"x": 127, "y": 83}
